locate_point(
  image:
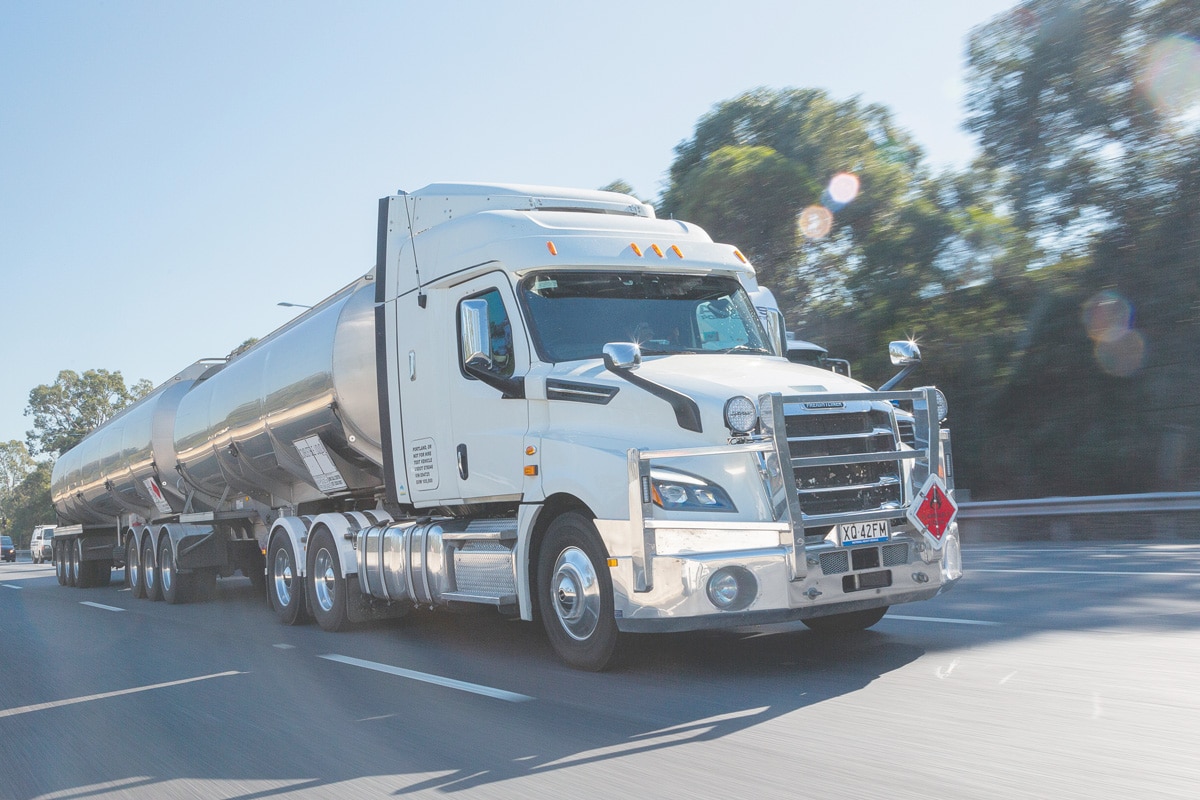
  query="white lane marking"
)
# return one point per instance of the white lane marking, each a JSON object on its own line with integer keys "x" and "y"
{"x": 12, "y": 712}
{"x": 284, "y": 646}
{"x": 11, "y": 586}
{"x": 948, "y": 620}
{"x": 99, "y": 605}
{"x": 438, "y": 680}
{"x": 1089, "y": 572}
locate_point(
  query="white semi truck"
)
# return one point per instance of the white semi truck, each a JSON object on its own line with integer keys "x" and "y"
{"x": 543, "y": 400}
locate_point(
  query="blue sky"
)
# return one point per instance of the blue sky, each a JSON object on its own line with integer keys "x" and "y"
{"x": 170, "y": 171}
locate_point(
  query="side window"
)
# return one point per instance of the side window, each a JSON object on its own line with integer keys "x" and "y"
{"x": 500, "y": 344}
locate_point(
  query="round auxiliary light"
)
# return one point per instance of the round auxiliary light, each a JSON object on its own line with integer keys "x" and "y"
{"x": 732, "y": 588}
{"x": 741, "y": 415}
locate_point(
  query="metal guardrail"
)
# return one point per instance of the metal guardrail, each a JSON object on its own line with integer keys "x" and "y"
{"x": 1163, "y": 502}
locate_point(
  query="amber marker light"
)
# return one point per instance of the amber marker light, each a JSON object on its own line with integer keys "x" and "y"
{"x": 530, "y": 450}
{"x": 531, "y": 470}
{"x": 657, "y": 250}
{"x": 675, "y": 249}
{"x": 637, "y": 251}
{"x": 612, "y": 562}
{"x": 553, "y": 250}
{"x": 740, "y": 257}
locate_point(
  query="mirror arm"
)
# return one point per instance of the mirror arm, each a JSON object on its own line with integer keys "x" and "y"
{"x": 510, "y": 388}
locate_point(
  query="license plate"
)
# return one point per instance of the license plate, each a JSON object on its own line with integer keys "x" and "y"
{"x": 862, "y": 532}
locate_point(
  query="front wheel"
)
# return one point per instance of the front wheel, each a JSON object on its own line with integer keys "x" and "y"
{"x": 849, "y": 622}
{"x": 575, "y": 593}
{"x": 326, "y": 587}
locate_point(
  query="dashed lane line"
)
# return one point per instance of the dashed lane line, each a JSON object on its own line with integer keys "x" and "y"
{"x": 437, "y": 680}
{"x": 12, "y": 712}
{"x": 99, "y": 605}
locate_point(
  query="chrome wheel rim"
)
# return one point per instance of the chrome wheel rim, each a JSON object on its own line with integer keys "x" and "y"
{"x": 282, "y": 577}
{"x": 147, "y": 559}
{"x": 131, "y": 558}
{"x": 164, "y": 572}
{"x": 575, "y": 593}
{"x": 324, "y": 579}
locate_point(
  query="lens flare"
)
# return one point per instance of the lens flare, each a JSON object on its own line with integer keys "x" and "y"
{"x": 815, "y": 222}
{"x": 1124, "y": 356}
{"x": 1170, "y": 80}
{"x": 843, "y": 187}
{"x": 1107, "y": 316}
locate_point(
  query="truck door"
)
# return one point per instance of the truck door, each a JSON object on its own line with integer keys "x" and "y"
{"x": 487, "y": 429}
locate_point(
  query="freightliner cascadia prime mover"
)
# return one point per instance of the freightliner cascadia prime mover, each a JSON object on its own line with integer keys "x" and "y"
{"x": 543, "y": 400}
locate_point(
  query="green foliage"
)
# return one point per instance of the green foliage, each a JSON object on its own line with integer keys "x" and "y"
{"x": 28, "y": 504}
{"x": 24, "y": 492}
{"x": 67, "y": 410}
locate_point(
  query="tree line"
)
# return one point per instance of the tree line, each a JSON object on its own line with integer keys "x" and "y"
{"x": 1054, "y": 283}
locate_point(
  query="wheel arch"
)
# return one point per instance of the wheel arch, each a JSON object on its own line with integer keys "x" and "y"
{"x": 555, "y": 506}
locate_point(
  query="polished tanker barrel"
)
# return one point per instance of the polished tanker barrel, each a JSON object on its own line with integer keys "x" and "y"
{"x": 293, "y": 418}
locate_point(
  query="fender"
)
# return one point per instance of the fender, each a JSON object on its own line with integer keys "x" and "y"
{"x": 343, "y": 527}
{"x": 296, "y": 529}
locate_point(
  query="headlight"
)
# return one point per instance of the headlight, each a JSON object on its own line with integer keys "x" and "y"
{"x": 680, "y": 491}
{"x": 741, "y": 415}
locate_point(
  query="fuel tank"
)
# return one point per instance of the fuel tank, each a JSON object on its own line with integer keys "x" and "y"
{"x": 293, "y": 418}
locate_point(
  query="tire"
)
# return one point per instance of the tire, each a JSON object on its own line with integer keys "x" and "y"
{"x": 133, "y": 569}
{"x": 575, "y": 593}
{"x": 850, "y": 622}
{"x": 150, "y": 574}
{"x": 171, "y": 583}
{"x": 60, "y": 565}
{"x": 324, "y": 584}
{"x": 73, "y": 563}
{"x": 285, "y": 588}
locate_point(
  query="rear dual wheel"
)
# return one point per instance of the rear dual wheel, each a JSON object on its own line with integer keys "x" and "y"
{"x": 285, "y": 587}
{"x": 325, "y": 585}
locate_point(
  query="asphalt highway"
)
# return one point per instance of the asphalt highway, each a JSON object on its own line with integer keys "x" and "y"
{"x": 1050, "y": 671}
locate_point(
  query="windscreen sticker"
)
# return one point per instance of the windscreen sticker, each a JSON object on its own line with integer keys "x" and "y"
{"x": 320, "y": 465}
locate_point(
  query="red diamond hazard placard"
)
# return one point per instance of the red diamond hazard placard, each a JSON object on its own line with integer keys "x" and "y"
{"x": 933, "y": 510}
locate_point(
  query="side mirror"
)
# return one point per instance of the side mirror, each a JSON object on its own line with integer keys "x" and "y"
{"x": 904, "y": 354}
{"x": 473, "y": 334}
{"x": 622, "y": 355}
{"x": 776, "y": 332}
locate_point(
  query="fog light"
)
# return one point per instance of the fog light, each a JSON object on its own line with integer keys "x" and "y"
{"x": 732, "y": 588}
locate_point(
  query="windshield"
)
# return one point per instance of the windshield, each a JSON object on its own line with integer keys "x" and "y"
{"x": 574, "y": 314}
{"x": 6, "y": 540}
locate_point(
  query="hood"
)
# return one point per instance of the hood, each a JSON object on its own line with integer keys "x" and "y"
{"x": 707, "y": 380}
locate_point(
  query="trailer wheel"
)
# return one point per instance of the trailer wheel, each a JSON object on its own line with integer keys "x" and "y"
{"x": 133, "y": 569}
{"x": 173, "y": 585}
{"x": 325, "y": 585}
{"x": 73, "y": 563}
{"x": 286, "y": 588}
{"x": 150, "y": 573}
{"x": 849, "y": 622}
{"x": 60, "y": 564}
{"x": 575, "y": 593}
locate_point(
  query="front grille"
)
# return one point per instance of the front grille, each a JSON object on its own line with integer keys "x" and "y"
{"x": 844, "y": 487}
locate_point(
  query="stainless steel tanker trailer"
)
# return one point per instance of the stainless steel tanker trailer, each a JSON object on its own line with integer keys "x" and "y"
{"x": 543, "y": 400}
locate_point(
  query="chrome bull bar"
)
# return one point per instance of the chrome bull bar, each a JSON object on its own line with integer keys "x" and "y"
{"x": 772, "y": 452}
